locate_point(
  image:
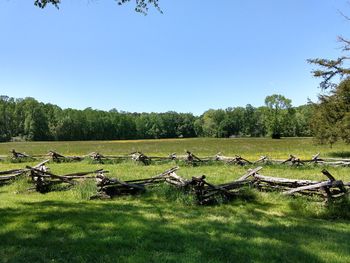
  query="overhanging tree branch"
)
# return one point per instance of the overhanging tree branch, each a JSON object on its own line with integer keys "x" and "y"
{"x": 142, "y": 6}
{"x": 43, "y": 3}
{"x": 331, "y": 68}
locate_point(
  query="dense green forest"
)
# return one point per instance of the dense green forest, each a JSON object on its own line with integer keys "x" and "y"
{"x": 28, "y": 119}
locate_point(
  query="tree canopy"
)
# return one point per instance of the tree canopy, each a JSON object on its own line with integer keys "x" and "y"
{"x": 331, "y": 120}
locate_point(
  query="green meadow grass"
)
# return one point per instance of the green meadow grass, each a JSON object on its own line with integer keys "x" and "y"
{"x": 247, "y": 147}
{"x": 164, "y": 225}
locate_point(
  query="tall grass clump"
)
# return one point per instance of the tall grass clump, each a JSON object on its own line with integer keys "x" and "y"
{"x": 20, "y": 185}
{"x": 338, "y": 209}
{"x": 85, "y": 189}
{"x": 247, "y": 194}
{"x": 306, "y": 206}
{"x": 315, "y": 208}
{"x": 173, "y": 194}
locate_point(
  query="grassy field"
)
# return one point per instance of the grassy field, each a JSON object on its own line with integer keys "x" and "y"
{"x": 163, "y": 225}
{"x": 248, "y": 147}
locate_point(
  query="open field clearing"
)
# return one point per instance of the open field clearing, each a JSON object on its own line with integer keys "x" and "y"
{"x": 154, "y": 131}
{"x": 163, "y": 225}
{"x": 247, "y": 147}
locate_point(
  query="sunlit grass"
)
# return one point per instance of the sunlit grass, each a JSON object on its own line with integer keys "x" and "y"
{"x": 165, "y": 225}
{"x": 251, "y": 148}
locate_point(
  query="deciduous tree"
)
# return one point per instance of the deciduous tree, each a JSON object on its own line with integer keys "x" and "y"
{"x": 279, "y": 109}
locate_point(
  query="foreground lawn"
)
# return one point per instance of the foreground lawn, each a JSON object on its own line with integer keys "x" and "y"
{"x": 150, "y": 229}
{"x": 163, "y": 225}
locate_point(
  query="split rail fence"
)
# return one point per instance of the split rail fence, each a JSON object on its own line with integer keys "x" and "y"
{"x": 189, "y": 158}
{"x": 205, "y": 192}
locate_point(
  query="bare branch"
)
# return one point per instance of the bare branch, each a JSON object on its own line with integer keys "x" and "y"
{"x": 346, "y": 43}
{"x": 343, "y": 15}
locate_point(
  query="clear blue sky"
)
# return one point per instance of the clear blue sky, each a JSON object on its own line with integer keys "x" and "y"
{"x": 199, "y": 54}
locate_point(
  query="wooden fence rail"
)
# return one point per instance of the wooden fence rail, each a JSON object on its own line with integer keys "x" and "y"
{"x": 188, "y": 158}
{"x": 204, "y": 191}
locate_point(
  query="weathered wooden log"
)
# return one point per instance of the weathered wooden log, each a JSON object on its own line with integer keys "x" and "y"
{"x": 239, "y": 160}
{"x": 341, "y": 186}
{"x": 18, "y": 155}
{"x": 14, "y": 171}
{"x": 191, "y": 158}
{"x": 114, "y": 187}
{"x": 173, "y": 156}
{"x": 83, "y": 175}
{"x": 45, "y": 173}
{"x": 316, "y": 158}
{"x": 335, "y": 164}
{"x": 320, "y": 185}
{"x": 158, "y": 178}
{"x": 262, "y": 159}
{"x": 240, "y": 182}
{"x": 96, "y": 156}
{"x": 217, "y": 188}
{"x": 294, "y": 160}
{"x": 330, "y": 188}
{"x": 41, "y": 164}
{"x": 336, "y": 159}
{"x": 251, "y": 172}
{"x": 117, "y": 182}
{"x": 220, "y": 157}
{"x": 198, "y": 187}
{"x": 174, "y": 179}
{"x": 43, "y": 179}
{"x": 207, "y": 193}
{"x": 283, "y": 181}
{"x": 146, "y": 182}
{"x": 236, "y": 184}
{"x": 56, "y": 157}
{"x": 326, "y": 173}
{"x": 141, "y": 158}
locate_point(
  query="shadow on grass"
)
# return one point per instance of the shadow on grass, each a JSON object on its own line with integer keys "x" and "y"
{"x": 137, "y": 231}
{"x": 333, "y": 209}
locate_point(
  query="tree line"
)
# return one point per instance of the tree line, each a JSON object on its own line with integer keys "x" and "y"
{"x": 29, "y": 119}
